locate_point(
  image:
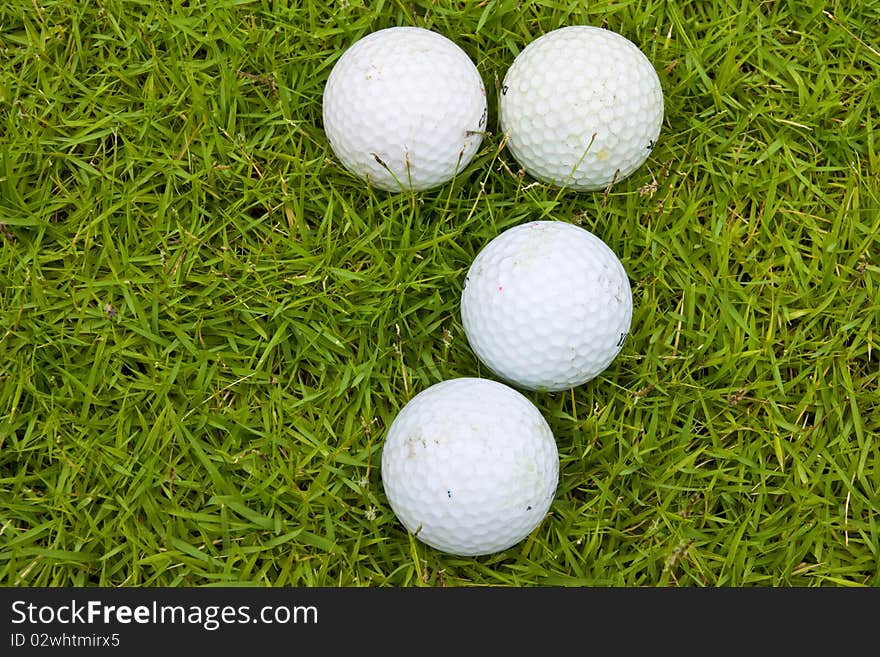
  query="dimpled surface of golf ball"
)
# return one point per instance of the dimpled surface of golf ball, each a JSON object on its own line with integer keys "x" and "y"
{"x": 470, "y": 466}
{"x": 404, "y": 108}
{"x": 581, "y": 107}
{"x": 546, "y": 305}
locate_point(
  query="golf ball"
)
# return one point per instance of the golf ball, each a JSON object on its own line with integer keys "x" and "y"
{"x": 581, "y": 107}
{"x": 470, "y": 466}
{"x": 546, "y": 305}
{"x": 404, "y": 108}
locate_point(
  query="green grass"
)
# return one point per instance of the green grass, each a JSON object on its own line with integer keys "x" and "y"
{"x": 207, "y": 325}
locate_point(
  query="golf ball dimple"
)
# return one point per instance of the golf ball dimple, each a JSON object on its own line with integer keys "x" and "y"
{"x": 405, "y": 109}
{"x": 546, "y": 305}
{"x": 470, "y": 466}
{"x": 602, "y": 119}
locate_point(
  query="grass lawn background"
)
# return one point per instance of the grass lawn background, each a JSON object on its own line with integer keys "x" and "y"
{"x": 207, "y": 325}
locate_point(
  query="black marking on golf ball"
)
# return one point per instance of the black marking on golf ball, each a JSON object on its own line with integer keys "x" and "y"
{"x": 449, "y": 494}
{"x": 504, "y": 90}
{"x": 622, "y": 339}
{"x": 650, "y": 145}
{"x": 484, "y": 117}
{"x": 529, "y": 507}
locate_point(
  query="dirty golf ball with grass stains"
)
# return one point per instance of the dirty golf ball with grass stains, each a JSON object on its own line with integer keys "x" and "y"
{"x": 546, "y": 305}
{"x": 581, "y": 107}
{"x": 470, "y": 466}
{"x": 405, "y": 109}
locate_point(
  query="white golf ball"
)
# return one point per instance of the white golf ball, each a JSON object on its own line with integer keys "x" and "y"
{"x": 470, "y": 466}
{"x": 581, "y": 107}
{"x": 546, "y": 305}
{"x": 405, "y": 109}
